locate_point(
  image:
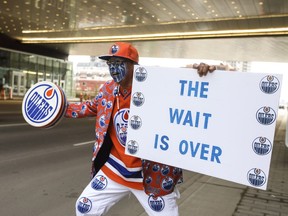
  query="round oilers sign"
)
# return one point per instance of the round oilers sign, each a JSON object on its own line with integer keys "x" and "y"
{"x": 43, "y": 105}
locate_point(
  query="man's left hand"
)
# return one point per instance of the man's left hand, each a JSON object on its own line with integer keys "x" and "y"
{"x": 203, "y": 68}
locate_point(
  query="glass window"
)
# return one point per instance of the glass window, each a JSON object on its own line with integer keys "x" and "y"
{"x": 33, "y": 68}
{"x": 4, "y": 58}
{"x": 15, "y": 80}
{"x": 14, "y": 60}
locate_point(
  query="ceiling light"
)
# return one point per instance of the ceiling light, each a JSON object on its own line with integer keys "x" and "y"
{"x": 169, "y": 35}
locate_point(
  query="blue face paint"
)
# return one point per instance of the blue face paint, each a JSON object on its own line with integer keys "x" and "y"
{"x": 117, "y": 70}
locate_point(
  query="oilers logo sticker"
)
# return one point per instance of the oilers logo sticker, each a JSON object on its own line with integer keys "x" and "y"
{"x": 266, "y": 115}
{"x": 148, "y": 180}
{"x": 262, "y": 146}
{"x": 43, "y": 105}
{"x": 269, "y": 84}
{"x": 165, "y": 170}
{"x": 156, "y": 204}
{"x": 99, "y": 95}
{"x": 156, "y": 167}
{"x": 167, "y": 184}
{"x": 256, "y": 177}
{"x": 138, "y": 99}
{"x": 146, "y": 164}
{"x": 84, "y": 205}
{"x": 177, "y": 171}
{"x": 99, "y": 182}
{"x": 135, "y": 122}
{"x": 140, "y": 74}
{"x": 121, "y": 124}
{"x": 103, "y": 102}
{"x": 132, "y": 147}
{"x": 102, "y": 121}
{"x": 114, "y": 49}
{"x": 109, "y": 105}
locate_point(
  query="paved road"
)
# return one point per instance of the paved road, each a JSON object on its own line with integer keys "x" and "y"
{"x": 43, "y": 171}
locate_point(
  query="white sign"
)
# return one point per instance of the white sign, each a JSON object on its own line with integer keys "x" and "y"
{"x": 286, "y": 136}
{"x": 220, "y": 125}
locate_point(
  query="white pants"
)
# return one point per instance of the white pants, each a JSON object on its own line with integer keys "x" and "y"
{"x": 102, "y": 193}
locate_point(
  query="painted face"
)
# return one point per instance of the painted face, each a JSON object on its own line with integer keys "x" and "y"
{"x": 117, "y": 69}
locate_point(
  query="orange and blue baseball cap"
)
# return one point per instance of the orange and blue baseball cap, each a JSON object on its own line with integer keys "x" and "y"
{"x": 122, "y": 50}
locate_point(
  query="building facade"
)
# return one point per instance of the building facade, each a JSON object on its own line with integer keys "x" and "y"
{"x": 89, "y": 77}
{"x": 19, "y": 71}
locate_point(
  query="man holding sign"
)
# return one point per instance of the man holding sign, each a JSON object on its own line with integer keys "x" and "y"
{"x": 114, "y": 173}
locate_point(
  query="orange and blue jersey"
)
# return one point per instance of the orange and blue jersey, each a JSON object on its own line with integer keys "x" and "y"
{"x": 111, "y": 121}
{"x": 122, "y": 168}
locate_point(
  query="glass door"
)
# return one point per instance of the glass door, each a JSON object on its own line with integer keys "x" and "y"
{"x": 18, "y": 83}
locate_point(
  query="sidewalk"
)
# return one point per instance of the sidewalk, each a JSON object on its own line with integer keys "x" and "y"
{"x": 273, "y": 201}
